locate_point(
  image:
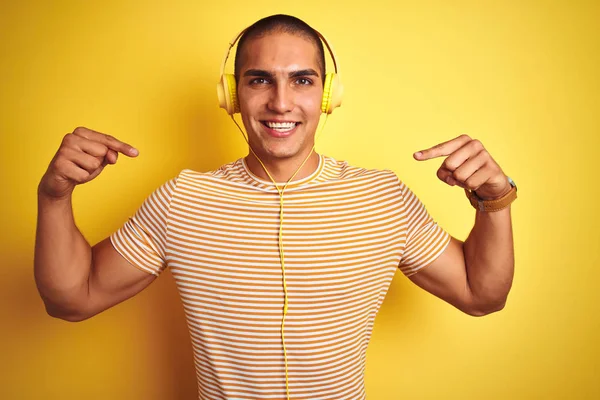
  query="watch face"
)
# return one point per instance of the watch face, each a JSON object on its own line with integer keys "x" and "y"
{"x": 512, "y": 183}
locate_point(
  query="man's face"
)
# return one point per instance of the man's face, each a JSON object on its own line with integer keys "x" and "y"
{"x": 279, "y": 93}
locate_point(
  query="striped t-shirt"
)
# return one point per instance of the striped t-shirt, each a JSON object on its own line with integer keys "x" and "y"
{"x": 346, "y": 230}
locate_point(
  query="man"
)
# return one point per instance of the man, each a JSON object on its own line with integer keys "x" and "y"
{"x": 345, "y": 231}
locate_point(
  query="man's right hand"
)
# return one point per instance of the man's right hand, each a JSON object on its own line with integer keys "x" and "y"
{"x": 80, "y": 158}
{"x": 76, "y": 280}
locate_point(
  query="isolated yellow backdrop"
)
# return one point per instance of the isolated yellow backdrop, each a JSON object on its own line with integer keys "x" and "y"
{"x": 520, "y": 76}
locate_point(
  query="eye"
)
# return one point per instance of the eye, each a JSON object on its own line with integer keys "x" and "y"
{"x": 258, "y": 81}
{"x": 304, "y": 81}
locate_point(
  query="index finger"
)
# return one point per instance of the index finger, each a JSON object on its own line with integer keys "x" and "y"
{"x": 107, "y": 140}
{"x": 443, "y": 149}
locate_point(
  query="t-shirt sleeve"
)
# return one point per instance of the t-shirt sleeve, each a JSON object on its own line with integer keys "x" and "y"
{"x": 425, "y": 239}
{"x": 142, "y": 239}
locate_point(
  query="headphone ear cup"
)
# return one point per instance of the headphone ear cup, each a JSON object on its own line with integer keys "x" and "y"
{"x": 227, "y": 93}
{"x": 332, "y": 93}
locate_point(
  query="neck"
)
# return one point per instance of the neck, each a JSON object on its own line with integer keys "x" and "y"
{"x": 283, "y": 169}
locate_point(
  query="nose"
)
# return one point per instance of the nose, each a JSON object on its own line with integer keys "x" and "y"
{"x": 281, "y": 99}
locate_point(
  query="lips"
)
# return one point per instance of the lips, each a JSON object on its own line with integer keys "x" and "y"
{"x": 280, "y": 129}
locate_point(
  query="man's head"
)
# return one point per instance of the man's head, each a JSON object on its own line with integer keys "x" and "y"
{"x": 279, "y": 70}
{"x": 280, "y": 23}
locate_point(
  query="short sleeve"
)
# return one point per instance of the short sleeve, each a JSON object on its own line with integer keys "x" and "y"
{"x": 142, "y": 239}
{"x": 425, "y": 239}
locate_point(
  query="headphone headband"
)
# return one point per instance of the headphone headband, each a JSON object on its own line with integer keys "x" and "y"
{"x": 239, "y": 35}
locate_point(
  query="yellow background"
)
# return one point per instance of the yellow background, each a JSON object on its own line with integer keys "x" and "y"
{"x": 520, "y": 76}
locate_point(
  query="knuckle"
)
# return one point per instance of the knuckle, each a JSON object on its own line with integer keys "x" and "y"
{"x": 98, "y": 149}
{"x": 465, "y": 136}
{"x": 473, "y": 184}
{"x": 476, "y": 143}
{"x": 450, "y": 165}
{"x": 441, "y": 174}
{"x": 79, "y": 130}
{"x": 459, "y": 176}
{"x": 62, "y": 153}
{"x": 60, "y": 164}
{"x": 95, "y": 163}
{"x": 67, "y": 139}
{"x": 485, "y": 155}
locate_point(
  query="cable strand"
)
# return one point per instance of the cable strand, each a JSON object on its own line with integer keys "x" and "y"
{"x": 280, "y": 235}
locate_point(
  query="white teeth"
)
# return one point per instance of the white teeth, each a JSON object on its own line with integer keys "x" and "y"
{"x": 281, "y": 130}
{"x": 281, "y": 126}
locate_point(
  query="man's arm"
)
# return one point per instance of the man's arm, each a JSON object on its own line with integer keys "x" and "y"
{"x": 75, "y": 280}
{"x": 474, "y": 276}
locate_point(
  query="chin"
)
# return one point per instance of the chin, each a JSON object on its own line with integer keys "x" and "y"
{"x": 282, "y": 153}
{"x": 267, "y": 148}
{"x": 279, "y": 151}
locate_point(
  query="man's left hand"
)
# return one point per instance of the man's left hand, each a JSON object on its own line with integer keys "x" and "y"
{"x": 468, "y": 165}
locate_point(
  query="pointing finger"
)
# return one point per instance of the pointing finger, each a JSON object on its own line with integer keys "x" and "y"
{"x": 107, "y": 140}
{"x": 442, "y": 149}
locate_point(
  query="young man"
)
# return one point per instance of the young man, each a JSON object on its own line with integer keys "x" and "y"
{"x": 345, "y": 231}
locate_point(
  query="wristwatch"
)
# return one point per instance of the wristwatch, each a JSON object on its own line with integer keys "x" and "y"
{"x": 493, "y": 205}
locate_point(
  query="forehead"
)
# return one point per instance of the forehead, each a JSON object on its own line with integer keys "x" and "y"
{"x": 279, "y": 51}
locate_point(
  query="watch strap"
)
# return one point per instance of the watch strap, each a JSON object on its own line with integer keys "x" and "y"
{"x": 491, "y": 205}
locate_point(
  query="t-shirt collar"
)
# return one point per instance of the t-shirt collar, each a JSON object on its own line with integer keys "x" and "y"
{"x": 292, "y": 184}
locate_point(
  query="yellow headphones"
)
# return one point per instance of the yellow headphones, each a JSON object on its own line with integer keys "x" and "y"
{"x": 227, "y": 91}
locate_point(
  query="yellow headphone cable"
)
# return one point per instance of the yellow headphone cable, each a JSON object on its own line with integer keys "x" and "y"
{"x": 280, "y": 241}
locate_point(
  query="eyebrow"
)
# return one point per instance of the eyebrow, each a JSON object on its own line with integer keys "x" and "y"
{"x": 294, "y": 74}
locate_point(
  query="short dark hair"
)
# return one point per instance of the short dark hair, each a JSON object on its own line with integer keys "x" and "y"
{"x": 283, "y": 24}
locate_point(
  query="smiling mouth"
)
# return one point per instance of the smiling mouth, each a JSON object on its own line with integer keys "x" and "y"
{"x": 281, "y": 127}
